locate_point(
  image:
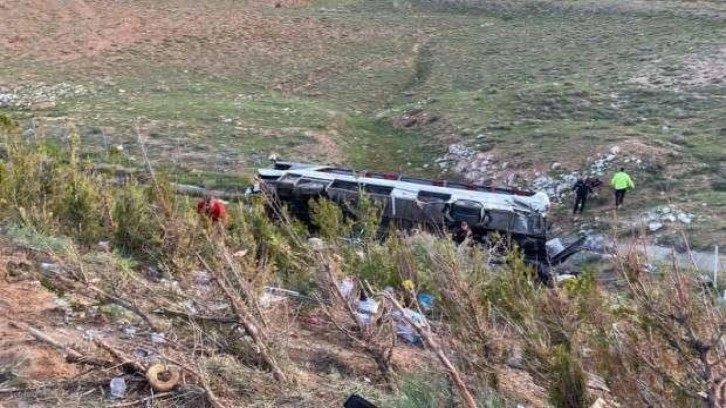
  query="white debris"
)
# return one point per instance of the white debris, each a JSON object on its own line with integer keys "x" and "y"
{"x": 615, "y": 150}
{"x": 158, "y": 338}
{"x": 654, "y": 226}
{"x": 51, "y": 267}
{"x": 564, "y": 277}
{"x": 118, "y": 387}
{"x": 346, "y": 287}
{"x": 404, "y": 329}
{"x": 203, "y": 278}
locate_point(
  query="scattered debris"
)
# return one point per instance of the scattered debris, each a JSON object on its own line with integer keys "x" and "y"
{"x": 51, "y": 267}
{"x": 426, "y": 302}
{"x": 163, "y": 377}
{"x": 158, "y": 338}
{"x": 404, "y": 329}
{"x": 202, "y": 278}
{"x": 365, "y": 310}
{"x": 118, "y": 387}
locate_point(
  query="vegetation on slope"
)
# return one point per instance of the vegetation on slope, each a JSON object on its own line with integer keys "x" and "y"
{"x": 653, "y": 339}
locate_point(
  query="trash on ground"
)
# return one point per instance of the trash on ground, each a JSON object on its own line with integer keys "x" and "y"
{"x": 564, "y": 277}
{"x": 365, "y": 310}
{"x": 346, "y": 287}
{"x": 118, "y": 387}
{"x": 158, "y": 338}
{"x": 404, "y": 329}
{"x": 426, "y": 302}
{"x": 202, "y": 278}
{"x": 51, "y": 267}
{"x": 268, "y": 299}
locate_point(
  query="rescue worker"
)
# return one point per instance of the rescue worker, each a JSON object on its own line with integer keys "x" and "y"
{"x": 621, "y": 182}
{"x": 582, "y": 189}
{"x": 462, "y": 232}
{"x": 212, "y": 209}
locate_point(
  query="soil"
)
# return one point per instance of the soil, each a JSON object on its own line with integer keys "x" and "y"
{"x": 28, "y": 302}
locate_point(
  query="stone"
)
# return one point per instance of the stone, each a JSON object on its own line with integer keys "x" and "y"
{"x": 684, "y": 218}
{"x": 615, "y": 150}
{"x": 669, "y": 218}
{"x": 596, "y": 382}
{"x": 43, "y": 105}
{"x": 316, "y": 244}
{"x": 515, "y": 359}
{"x": 654, "y": 226}
{"x": 601, "y": 403}
{"x": 556, "y": 165}
{"x": 610, "y": 157}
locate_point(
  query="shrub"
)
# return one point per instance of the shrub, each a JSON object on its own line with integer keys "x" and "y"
{"x": 568, "y": 388}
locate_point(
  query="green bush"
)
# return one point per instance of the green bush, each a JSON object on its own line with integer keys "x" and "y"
{"x": 568, "y": 388}
{"x": 138, "y": 227}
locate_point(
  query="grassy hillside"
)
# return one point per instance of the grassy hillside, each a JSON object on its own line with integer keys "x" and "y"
{"x": 216, "y": 86}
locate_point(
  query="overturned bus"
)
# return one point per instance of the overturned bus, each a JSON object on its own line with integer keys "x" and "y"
{"x": 413, "y": 202}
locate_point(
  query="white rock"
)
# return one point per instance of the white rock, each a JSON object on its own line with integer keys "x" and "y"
{"x": 316, "y": 243}
{"x": 654, "y": 226}
{"x": 682, "y": 217}
{"x": 615, "y": 150}
{"x": 556, "y": 166}
{"x": 669, "y": 218}
{"x": 610, "y": 157}
{"x": 596, "y": 382}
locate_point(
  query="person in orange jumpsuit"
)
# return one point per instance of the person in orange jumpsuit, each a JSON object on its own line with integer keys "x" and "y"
{"x": 212, "y": 208}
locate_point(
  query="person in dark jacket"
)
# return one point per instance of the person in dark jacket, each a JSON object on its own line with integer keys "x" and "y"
{"x": 582, "y": 188}
{"x": 462, "y": 232}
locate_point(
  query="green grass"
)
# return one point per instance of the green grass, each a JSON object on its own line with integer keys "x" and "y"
{"x": 537, "y": 80}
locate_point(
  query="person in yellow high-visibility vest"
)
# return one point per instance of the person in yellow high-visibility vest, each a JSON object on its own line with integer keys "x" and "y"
{"x": 621, "y": 183}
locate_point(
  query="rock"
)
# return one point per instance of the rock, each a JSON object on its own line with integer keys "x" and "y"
{"x": 44, "y": 105}
{"x": 615, "y": 150}
{"x": 596, "y": 382}
{"x": 556, "y": 165}
{"x": 669, "y": 218}
{"x": 316, "y": 244}
{"x": 515, "y": 360}
{"x": 610, "y": 157}
{"x": 202, "y": 278}
{"x": 654, "y": 226}
{"x": 601, "y": 403}
{"x": 684, "y": 218}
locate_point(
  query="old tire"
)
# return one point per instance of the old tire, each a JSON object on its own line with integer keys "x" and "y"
{"x": 163, "y": 378}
